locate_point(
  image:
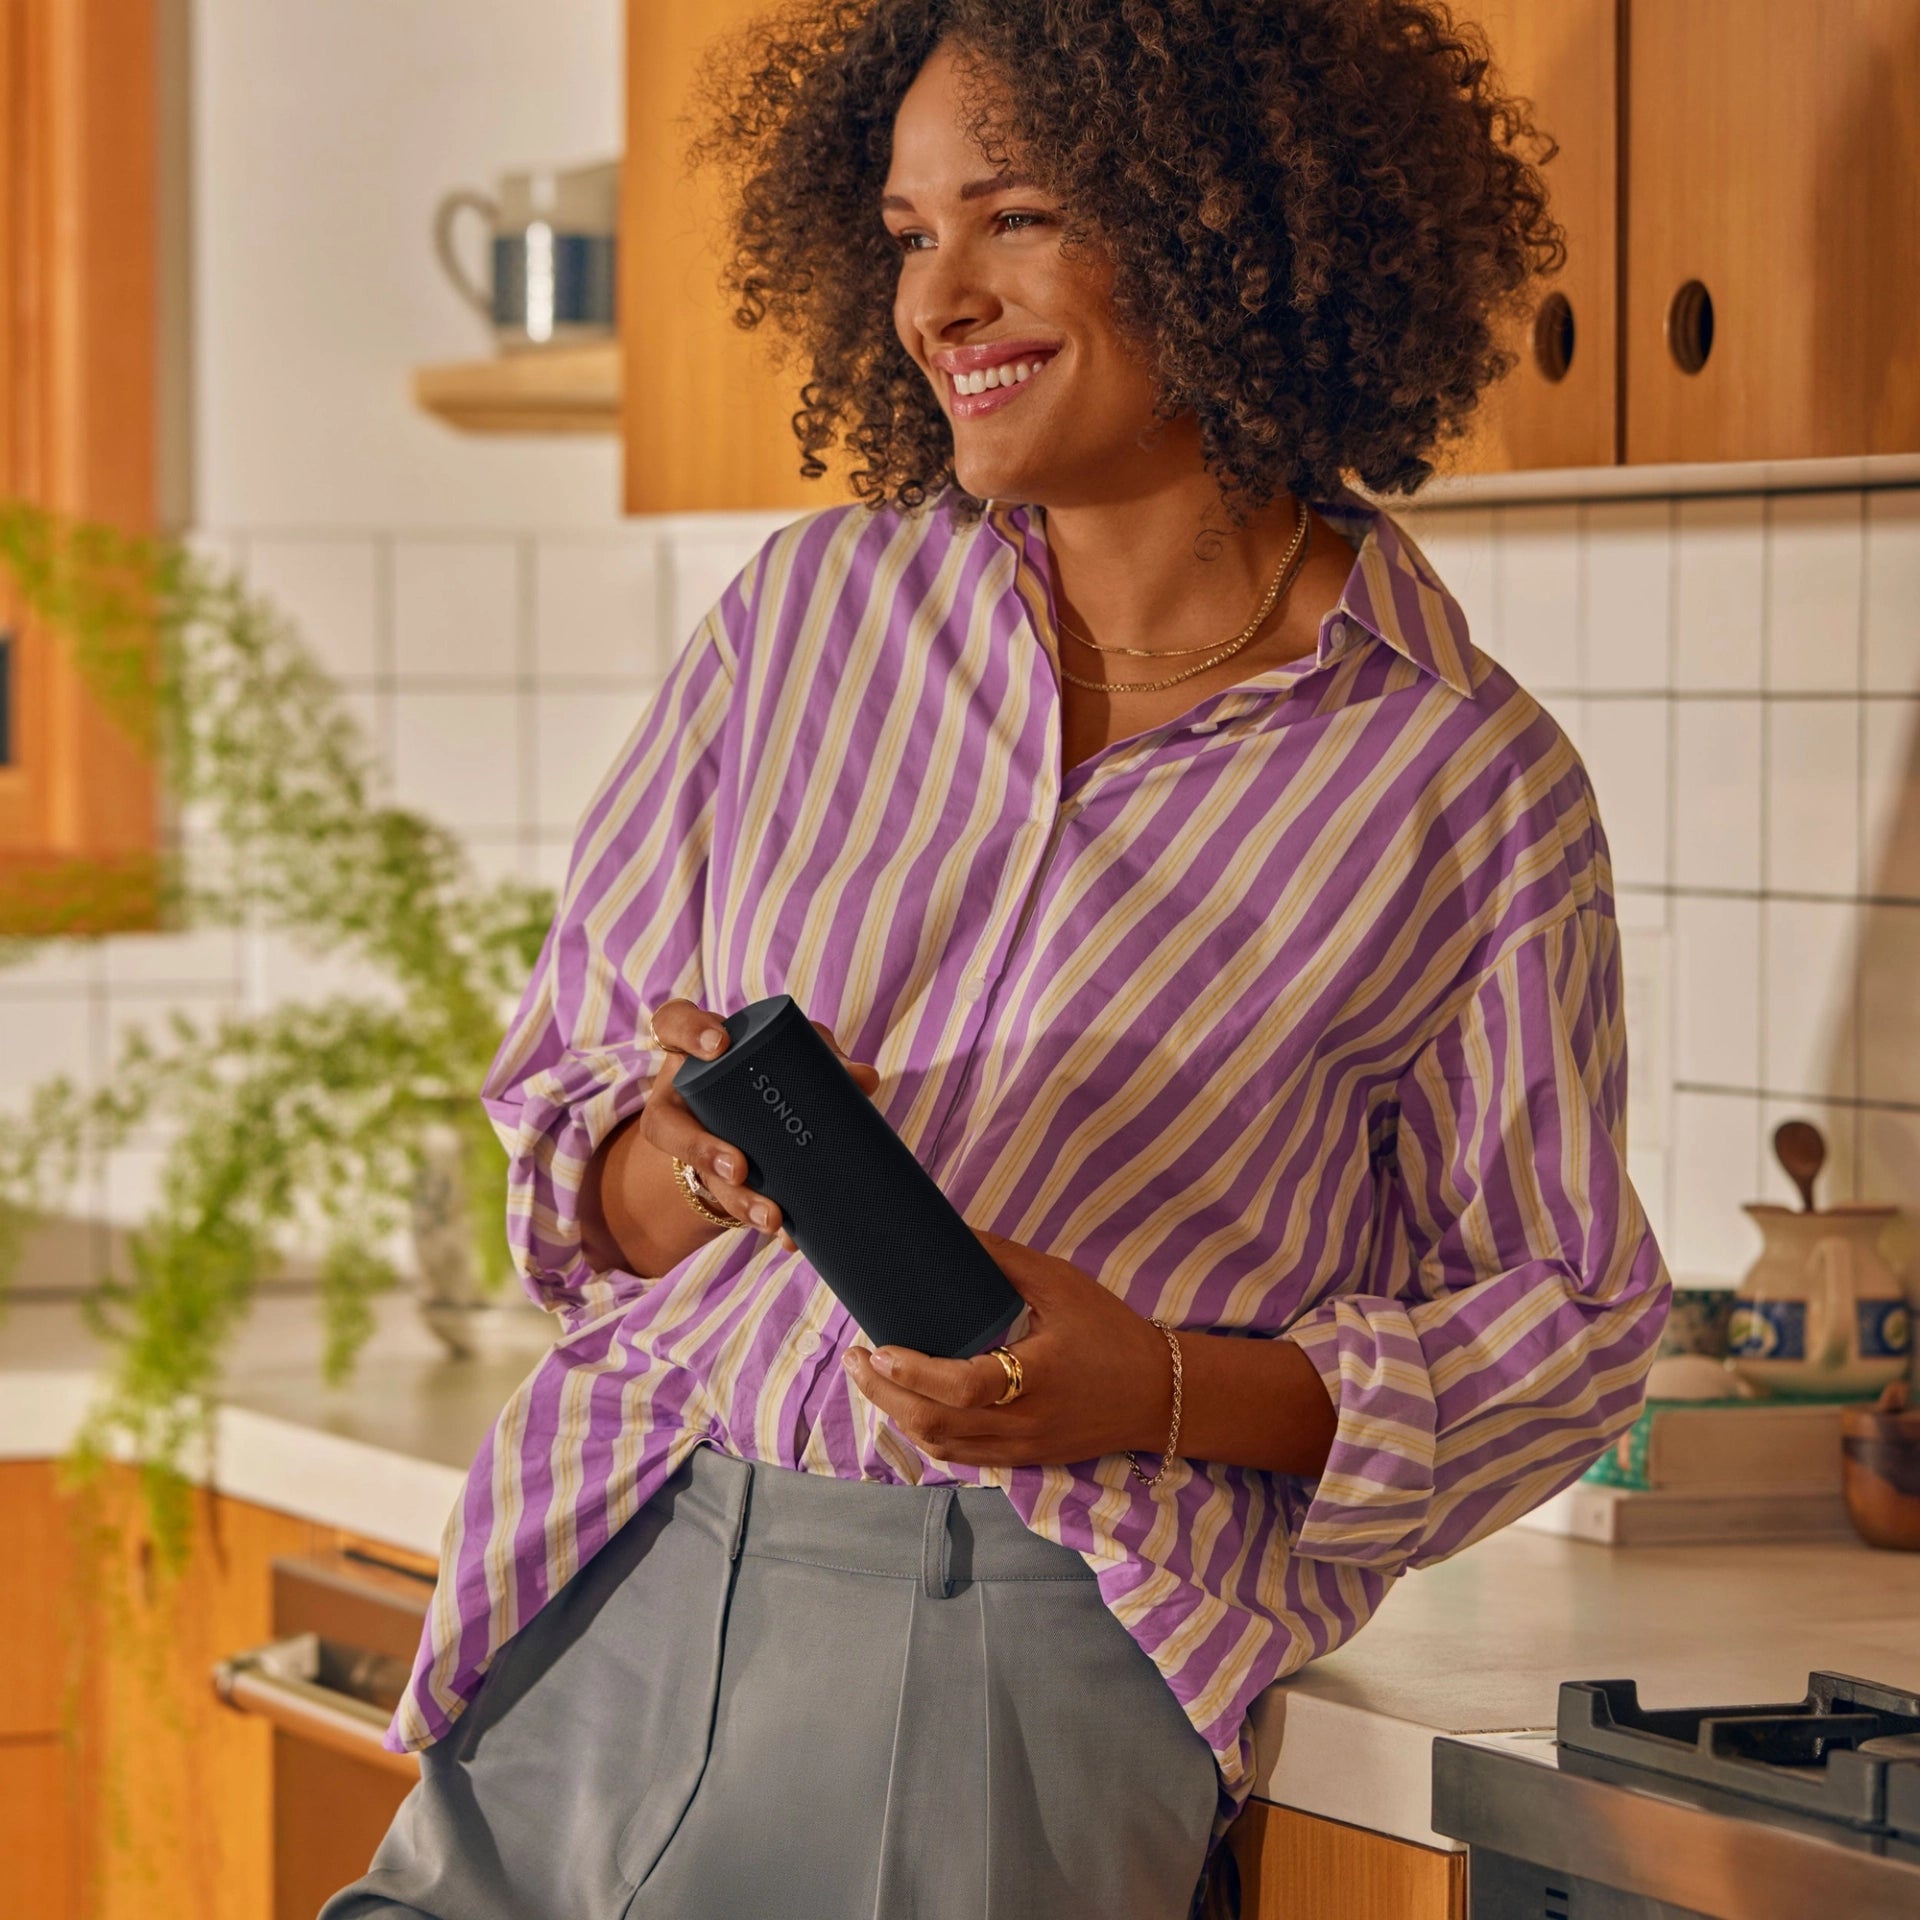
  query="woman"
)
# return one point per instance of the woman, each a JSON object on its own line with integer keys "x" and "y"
{"x": 1230, "y": 938}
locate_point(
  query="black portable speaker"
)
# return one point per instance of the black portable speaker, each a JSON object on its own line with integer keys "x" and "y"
{"x": 862, "y": 1209}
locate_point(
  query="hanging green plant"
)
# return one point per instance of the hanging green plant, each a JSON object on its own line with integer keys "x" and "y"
{"x": 313, "y": 1127}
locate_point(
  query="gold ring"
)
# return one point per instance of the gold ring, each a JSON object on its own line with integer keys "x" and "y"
{"x": 1016, "y": 1374}
{"x": 653, "y": 1039}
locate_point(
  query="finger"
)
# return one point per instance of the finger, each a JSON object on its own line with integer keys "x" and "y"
{"x": 863, "y": 1071}
{"x": 945, "y": 1432}
{"x": 977, "y": 1382}
{"x": 1025, "y": 1271}
{"x": 682, "y": 1027}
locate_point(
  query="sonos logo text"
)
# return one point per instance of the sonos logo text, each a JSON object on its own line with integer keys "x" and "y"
{"x": 802, "y": 1134}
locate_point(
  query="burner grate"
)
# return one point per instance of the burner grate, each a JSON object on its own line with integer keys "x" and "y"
{"x": 1804, "y": 1755}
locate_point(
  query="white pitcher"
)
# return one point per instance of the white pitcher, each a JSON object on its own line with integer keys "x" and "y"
{"x": 1820, "y": 1312}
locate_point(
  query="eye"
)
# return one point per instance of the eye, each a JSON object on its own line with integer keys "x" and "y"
{"x": 907, "y": 240}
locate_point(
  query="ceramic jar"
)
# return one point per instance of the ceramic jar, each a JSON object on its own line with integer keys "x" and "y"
{"x": 1820, "y": 1313}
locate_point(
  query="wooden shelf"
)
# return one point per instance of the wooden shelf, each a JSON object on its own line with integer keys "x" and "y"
{"x": 554, "y": 390}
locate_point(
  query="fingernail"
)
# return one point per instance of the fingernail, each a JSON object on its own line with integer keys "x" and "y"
{"x": 763, "y": 1216}
{"x": 882, "y": 1363}
{"x": 710, "y": 1040}
{"x": 729, "y": 1166}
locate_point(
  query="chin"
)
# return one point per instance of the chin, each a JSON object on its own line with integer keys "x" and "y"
{"x": 1025, "y": 481}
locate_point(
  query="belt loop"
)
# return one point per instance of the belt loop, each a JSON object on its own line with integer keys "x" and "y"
{"x": 936, "y": 1545}
{"x": 743, "y": 1494}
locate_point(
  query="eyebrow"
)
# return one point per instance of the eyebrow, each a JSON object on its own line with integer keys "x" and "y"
{"x": 973, "y": 190}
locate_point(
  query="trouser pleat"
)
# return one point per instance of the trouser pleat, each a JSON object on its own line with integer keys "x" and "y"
{"x": 935, "y": 1830}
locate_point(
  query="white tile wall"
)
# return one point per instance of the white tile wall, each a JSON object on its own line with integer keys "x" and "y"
{"x": 598, "y": 609}
{"x": 1741, "y": 674}
{"x": 1815, "y": 581}
{"x": 1893, "y": 591}
{"x": 330, "y": 589}
{"x": 1627, "y": 623}
{"x": 1538, "y": 571}
{"x": 1716, "y": 793}
{"x": 1717, "y": 991}
{"x": 1890, "y": 799}
{"x": 1813, "y": 796}
{"x": 1809, "y": 974}
{"x": 1626, "y": 747}
{"x": 456, "y": 610}
{"x": 1719, "y": 586}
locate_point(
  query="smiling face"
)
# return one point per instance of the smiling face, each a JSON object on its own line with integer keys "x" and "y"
{"x": 1048, "y": 402}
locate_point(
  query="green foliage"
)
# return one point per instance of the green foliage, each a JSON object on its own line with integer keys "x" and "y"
{"x": 303, "y": 1126}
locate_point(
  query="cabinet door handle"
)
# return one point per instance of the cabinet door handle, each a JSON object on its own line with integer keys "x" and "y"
{"x": 280, "y": 1682}
{"x": 1553, "y": 337}
{"x": 1690, "y": 326}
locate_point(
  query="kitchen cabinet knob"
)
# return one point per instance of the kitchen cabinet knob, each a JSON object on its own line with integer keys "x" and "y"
{"x": 1690, "y": 326}
{"x": 1553, "y": 337}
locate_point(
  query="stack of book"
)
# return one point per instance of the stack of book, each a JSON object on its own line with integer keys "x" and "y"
{"x": 1696, "y": 1471}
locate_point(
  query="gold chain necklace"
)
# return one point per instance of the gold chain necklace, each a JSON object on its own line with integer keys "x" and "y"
{"x": 1246, "y": 634}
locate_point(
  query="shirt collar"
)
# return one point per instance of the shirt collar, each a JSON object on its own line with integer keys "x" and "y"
{"x": 1392, "y": 593}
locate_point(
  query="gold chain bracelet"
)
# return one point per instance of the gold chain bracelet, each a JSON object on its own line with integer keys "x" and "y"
{"x": 1173, "y": 1438}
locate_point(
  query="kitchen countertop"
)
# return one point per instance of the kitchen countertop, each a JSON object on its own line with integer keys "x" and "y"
{"x": 1478, "y": 1644}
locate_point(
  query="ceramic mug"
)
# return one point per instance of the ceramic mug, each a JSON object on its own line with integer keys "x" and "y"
{"x": 553, "y": 234}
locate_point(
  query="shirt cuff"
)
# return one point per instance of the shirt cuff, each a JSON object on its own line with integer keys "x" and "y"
{"x": 551, "y": 1129}
{"x": 1372, "y": 1502}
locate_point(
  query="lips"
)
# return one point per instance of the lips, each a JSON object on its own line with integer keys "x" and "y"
{"x": 993, "y": 353}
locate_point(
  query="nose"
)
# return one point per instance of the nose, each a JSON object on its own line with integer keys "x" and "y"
{"x": 947, "y": 296}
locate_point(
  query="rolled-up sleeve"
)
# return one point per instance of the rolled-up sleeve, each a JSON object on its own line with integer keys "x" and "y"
{"x": 626, "y": 939}
{"x": 1519, "y": 1344}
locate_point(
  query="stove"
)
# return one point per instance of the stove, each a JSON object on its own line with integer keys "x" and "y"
{"x": 1769, "y": 1812}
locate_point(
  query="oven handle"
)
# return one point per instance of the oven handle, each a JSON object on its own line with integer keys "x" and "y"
{"x": 274, "y": 1682}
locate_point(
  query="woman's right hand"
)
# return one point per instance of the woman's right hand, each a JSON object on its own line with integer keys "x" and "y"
{"x": 669, "y": 1123}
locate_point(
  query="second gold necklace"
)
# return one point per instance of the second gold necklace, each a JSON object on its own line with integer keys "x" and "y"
{"x": 1253, "y": 626}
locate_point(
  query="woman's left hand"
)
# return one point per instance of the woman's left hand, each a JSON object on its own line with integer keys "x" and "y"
{"x": 1098, "y": 1377}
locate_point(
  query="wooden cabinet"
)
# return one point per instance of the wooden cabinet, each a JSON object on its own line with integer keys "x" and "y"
{"x": 706, "y": 411}
{"x": 78, "y": 129}
{"x": 1773, "y": 222}
{"x": 1294, "y": 1866}
{"x": 162, "y": 1801}
{"x": 1559, "y": 406}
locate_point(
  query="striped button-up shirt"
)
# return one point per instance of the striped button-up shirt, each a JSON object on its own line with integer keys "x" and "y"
{"x": 1299, "y": 1014}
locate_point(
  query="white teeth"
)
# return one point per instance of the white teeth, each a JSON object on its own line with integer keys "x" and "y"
{"x": 1009, "y": 373}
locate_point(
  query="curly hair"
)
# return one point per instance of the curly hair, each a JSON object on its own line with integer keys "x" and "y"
{"x": 1319, "y": 215}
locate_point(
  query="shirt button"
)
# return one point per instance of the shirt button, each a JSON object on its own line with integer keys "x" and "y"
{"x": 1203, "y": 726}
{"x": 808, "y": 1343}
{"x": 973, "y": 986}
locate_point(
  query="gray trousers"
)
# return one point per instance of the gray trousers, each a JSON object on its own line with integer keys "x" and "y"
{"x": 782, "y": 1694}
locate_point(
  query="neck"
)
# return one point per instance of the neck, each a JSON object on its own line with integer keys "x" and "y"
{"x": 1164, "y": 568}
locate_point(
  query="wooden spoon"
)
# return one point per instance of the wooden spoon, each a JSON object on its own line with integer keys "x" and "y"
{"x": 1798, "y": 1147}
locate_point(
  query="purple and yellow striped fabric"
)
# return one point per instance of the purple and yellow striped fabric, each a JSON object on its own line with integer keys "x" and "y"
{"x": 1301, "y": 1014}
